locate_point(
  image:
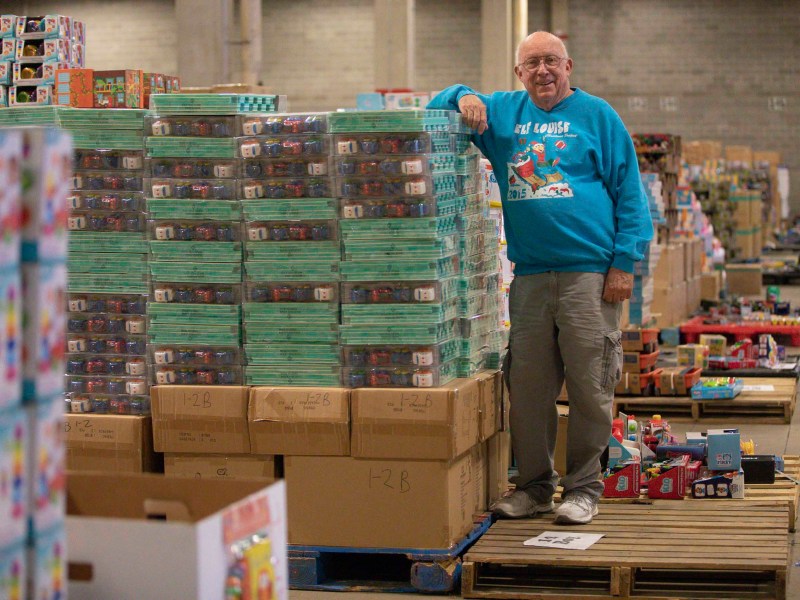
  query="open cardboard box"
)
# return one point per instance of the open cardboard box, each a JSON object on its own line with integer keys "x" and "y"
{"x": 150, "y": 536}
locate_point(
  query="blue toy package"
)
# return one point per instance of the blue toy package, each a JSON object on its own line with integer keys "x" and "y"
{"x": 717, "y": 388}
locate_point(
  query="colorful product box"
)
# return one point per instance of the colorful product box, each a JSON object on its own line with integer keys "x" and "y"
{"x": 695, "y": 438}
{"x": 47, "y": 566}
{"x": 6, "y": 72}
{"x": 44, "y": 330}
{"x": 724, "y": 450}
{"x": 692, "y": 355}
{"x": 75, "y": 88}
{"x": 13, "y": 571}
{"x": 36, "y": 74}
{"x": 55, "y": 50}
{"x": 46, "y": 181}
{"x": 118, "y": 89}
{"x": 47, "y": 482}
{"x": 669, "y": 482}
{"x": 44, "y": 26}
{"x": 10, "y": 197}
{"x": 720, "y": 485}
{"x": 617, "y": 452}
{"x": 8, "y": 26}
{"x": 717, "y": 344}
{"x": 14, "y": 473}
{"x": 78, "y": 32}
{"x": 717, "y": 388}
{"x": 30, "y": 94}
{"x": 623, "y": 481}
{"x": 3, "y": 96}
{"x": 10, "y": 337}
{"x": 8, "y": 49}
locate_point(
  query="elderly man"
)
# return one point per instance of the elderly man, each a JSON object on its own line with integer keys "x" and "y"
{"x": 576, "y": 221}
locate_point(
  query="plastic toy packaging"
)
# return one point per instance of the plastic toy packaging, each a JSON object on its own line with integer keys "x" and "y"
{"x": 89, "y": 220}
{"x": 100, "y": 180}
{"x": 285, "y": 188}
{"x": 717, "y": 388}
{"x": 110, "y": 385}
{"x": 194, "y": 355}
{"x": 125, "y": 202}
{"x": 197, "y": 375}
{"x": 292, "y": 292}
{"x": 399, "y": 292}
{"x": 120, "y": 404}
{"x": 284, "y": 147}
{"x": 194, "y": 230}
{"x": 356, "y": 187}
{"x": 187, "y": 168}
{"x": 381, "y": 144}
{"x": 382, "y": 165}
{"x": 291, "y": 231}
{"x": 203, "y": 189}
{"x": 36, "y": 73}
{"x": 251, "y": 572}
{"x": 388, "y": 208}
{"x": 286, "y": 124}
{"x": 196, "y": 293}
{"x": 45, "y": 26}
{"x": 123, "y": 345}
{"x": 286, "y": 167}
{"x": 47, "y": 50}
{"x": 400, "y": 376}
{"x": 217, "y": 127}
{"x": 92, "y": 364}
{"x": 114, "y": 160}
{"x": 380, "y": 355}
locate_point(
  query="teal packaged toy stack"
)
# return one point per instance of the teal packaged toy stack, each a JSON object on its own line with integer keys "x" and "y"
{"x": 35, "y": 166}
{"x": 108, "y": 288}
{"x": 32, "y": 48}
{"x": 195, "y": 237}
{"x": 483, "y": 337}
{"x": 402, "y": 208}
{"x": 292, "y": 251}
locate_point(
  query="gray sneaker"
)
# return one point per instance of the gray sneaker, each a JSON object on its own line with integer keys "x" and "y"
{"x": 520, "y": 505}
{"x": 577, "y": 508}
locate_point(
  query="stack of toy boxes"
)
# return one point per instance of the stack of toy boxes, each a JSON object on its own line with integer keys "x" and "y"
{"x": 107, "y": 285}
{"x": 396, "y": 183}
{"x": 32, "y": 49}
{"x": 35, "y": 167}
{"x": 639, "y": 356}
{"x": 292, "y": 252}
{"x": 641, "y": 300}
{"x": 483, "y": 335}
{"x": 131, "y": 88}
{"x": 195, "y": 237}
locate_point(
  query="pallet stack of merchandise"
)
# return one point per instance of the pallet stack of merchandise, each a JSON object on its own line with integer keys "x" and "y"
{"x": 107, "y": 265}
{"x": 292, "y": 253}
{"x": 195, "y": 236}
{"x": 32, "y": 49}
{"x": 640, "y": 305}
{"x": 397, "y": 187}
{"x": 34, "y": 182}
{"x": 660, "y": 153}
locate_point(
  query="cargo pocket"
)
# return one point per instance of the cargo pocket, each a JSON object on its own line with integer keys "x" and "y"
{"x": 612, "y": 361}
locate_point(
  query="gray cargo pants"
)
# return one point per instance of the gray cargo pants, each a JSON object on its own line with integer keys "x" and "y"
{"x": 561, "y": 328}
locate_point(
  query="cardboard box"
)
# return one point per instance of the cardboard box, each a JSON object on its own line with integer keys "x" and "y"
{"x": 299, "y": 421}
{"x": 119, "y": 89}
{"x": 671, "y": 268}
{"x": 662, "y": 307}
{"x": 677, "y": 381}
{"x": 692, "y": 295}
{"x": 711, "y": 285}
{"x": 625, "y": 482}
{"x": 739, "y": 154}
{"x": 679, "y": 292}
{"x": 74, "y": 87}
{"x": 699, "y": 151}
{"x": 134, "y": 537}
{"x": 724, "y": 451}
{"x": 219, "y": 466}
{"x": 720, "y": 485}
{"x": 198, "y": 419}
{"x": 435, "y": 423}
{"x": 109, "y": 443}
{"x": 717, "y": 343}
{"x": 498, "y": 459}
{"x": 490, "y": 384}
{"x": 744, "y": 280}
{"x": 381, "y": 503}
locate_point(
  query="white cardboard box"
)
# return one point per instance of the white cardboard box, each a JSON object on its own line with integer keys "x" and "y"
{"x": 117, "y": 551}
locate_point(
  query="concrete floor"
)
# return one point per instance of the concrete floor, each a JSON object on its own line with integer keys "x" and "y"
{"x": 769, "y": 439}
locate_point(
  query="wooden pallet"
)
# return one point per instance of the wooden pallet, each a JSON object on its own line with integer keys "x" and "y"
{"x": 674, "y": 551}
{"x": 776, "y": 406}
{"x": 396, "y": 570}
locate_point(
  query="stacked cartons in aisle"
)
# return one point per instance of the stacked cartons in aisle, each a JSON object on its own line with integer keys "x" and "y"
{"x": 292, "y": 253}
{"x": 35, "y": 166}
{"x": 32, "y": 49}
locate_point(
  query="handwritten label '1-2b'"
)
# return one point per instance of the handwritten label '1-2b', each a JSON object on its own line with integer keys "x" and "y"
{"x": 392, "y": 479}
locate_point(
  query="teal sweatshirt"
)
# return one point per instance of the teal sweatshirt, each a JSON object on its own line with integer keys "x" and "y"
{"x": 569, "y": 180}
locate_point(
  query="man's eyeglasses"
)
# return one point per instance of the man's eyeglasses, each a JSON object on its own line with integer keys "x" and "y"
{"x": 533, "y": 63}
